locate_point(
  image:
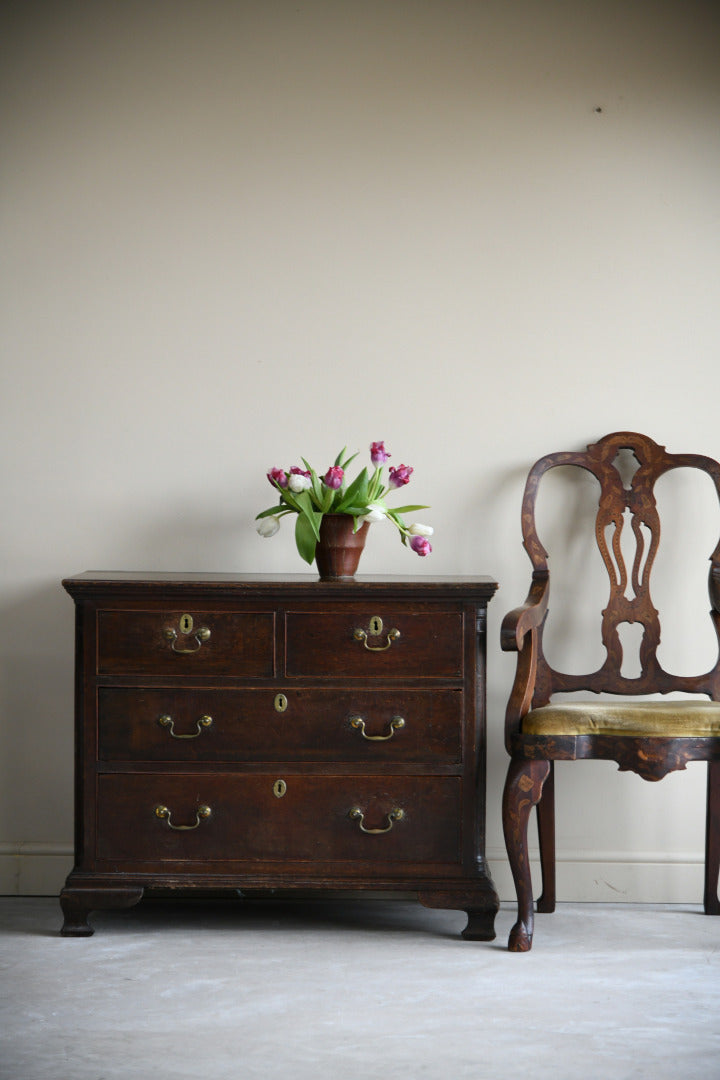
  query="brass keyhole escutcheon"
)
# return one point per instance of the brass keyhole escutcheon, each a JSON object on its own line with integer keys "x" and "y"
{"x": 186, "y": 624}
{"x": 281, "y": 703}
{"x": 376, "y": 626}
{"x": 279, "y": 789}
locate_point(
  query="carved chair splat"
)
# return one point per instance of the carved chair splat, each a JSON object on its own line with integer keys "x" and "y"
{"x": 650, "y": 738}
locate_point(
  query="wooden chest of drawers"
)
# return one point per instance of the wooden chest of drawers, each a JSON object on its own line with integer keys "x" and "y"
{"x": 256, "y": 733}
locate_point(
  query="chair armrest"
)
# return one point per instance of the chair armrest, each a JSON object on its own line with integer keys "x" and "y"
{"x": 529, "y": 616}
{"x": 520, "y": 632}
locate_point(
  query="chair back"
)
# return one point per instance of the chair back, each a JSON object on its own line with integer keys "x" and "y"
{"x": 623, "y": 503}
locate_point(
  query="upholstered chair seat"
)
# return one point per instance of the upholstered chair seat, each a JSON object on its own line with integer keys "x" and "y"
{"x": 638, "y": 719}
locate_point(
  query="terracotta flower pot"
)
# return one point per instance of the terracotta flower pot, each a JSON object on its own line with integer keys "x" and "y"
{"x": 339, "y": 549}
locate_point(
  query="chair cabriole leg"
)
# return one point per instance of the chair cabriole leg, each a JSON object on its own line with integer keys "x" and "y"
{"x": 711, "y": 902}
{"x": 523, "y": 790}
{"x": 546, "y": 836}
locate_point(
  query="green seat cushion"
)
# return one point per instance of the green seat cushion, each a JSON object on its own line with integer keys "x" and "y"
{"x": 669, "y": 719}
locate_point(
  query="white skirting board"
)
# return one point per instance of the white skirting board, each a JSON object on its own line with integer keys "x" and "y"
{"x": 645, "y": 877}
{"x": 36, "y": 869}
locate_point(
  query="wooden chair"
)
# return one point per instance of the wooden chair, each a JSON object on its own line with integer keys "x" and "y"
{"x": 651, "y": 738}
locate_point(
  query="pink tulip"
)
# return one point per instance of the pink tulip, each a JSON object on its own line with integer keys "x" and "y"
{"x": 333, "y": 478}
{"x": 378, "y": 453}
{"x": 420, "y": 545}
{"x": 400, "y": 476}
{"x": 277, "y": 476}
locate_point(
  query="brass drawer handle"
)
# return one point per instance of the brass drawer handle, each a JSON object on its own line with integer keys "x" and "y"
{"x": 186, "y": 629}
{"x": 361, "y": 635}
{"x": 201, "y": 814}
{"x": 396, "y": 814}
{"x": 396, "y": 724}
{"x": 168, "y": 722}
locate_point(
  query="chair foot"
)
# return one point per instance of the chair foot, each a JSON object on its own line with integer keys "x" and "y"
{"x": 520, "y": 939}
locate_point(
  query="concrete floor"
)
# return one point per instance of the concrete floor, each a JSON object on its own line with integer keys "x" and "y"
{"x": 344, "y": 990}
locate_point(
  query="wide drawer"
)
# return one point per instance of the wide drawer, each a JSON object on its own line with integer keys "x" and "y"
{"x": 185, "y": 643}
{"x": 156, "y": 818}
{"x": 394, "y": 642}
{"x": 198, "y": 724}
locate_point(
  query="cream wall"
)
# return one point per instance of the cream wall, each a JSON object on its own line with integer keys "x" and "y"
{"x": 235, "y": 233}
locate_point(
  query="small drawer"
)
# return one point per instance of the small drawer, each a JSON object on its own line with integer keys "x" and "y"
{"x": 156, "y": 818}
{"x": 186, "y": 643}
{"x": 383, "y": 641}
{"x": 196, "y": 724}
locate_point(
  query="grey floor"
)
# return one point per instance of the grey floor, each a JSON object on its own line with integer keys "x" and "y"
{"x": 343, "y": 990}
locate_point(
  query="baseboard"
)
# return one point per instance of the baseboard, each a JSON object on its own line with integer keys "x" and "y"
{"x": 34, "y": 869}
{"x": 630, "y": 877}
{"x": 638, "y": 877}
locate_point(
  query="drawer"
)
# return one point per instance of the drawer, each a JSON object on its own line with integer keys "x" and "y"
{"x": 198, "y": 724}
{"x": 326, "y": 819}
{"x": 185, "y": 643}
{"x": 394, "y": 642}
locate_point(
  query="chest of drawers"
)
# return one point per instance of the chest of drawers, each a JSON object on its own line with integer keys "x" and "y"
{"x": 255, "y": 733}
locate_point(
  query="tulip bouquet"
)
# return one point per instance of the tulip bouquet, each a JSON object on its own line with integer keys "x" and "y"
{"x": 310, "y": 496}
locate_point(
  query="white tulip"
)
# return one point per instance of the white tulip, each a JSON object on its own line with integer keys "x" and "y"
{"x": 375, "y": 513}
{"x": 421, "y": 530}
{"x": 297, "y": 482}
{"x": 268, "y": 526}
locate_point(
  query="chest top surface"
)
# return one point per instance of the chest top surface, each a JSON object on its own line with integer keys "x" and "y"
{"x": 471, "y": 587}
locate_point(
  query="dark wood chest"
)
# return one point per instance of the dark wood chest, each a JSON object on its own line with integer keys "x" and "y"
{"x": 254, "y": 733}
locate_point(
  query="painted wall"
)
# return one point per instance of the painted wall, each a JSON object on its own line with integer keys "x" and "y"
{"x": 237, "y": 233}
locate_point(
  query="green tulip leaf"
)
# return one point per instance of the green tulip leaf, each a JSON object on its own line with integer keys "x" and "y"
{"x": 273, "y": 510}
{"x": 356, "y": 494}
{"x": 305, "y": 538}
{"x": 308, "y": 511}
{"x": 317, "y": 488}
